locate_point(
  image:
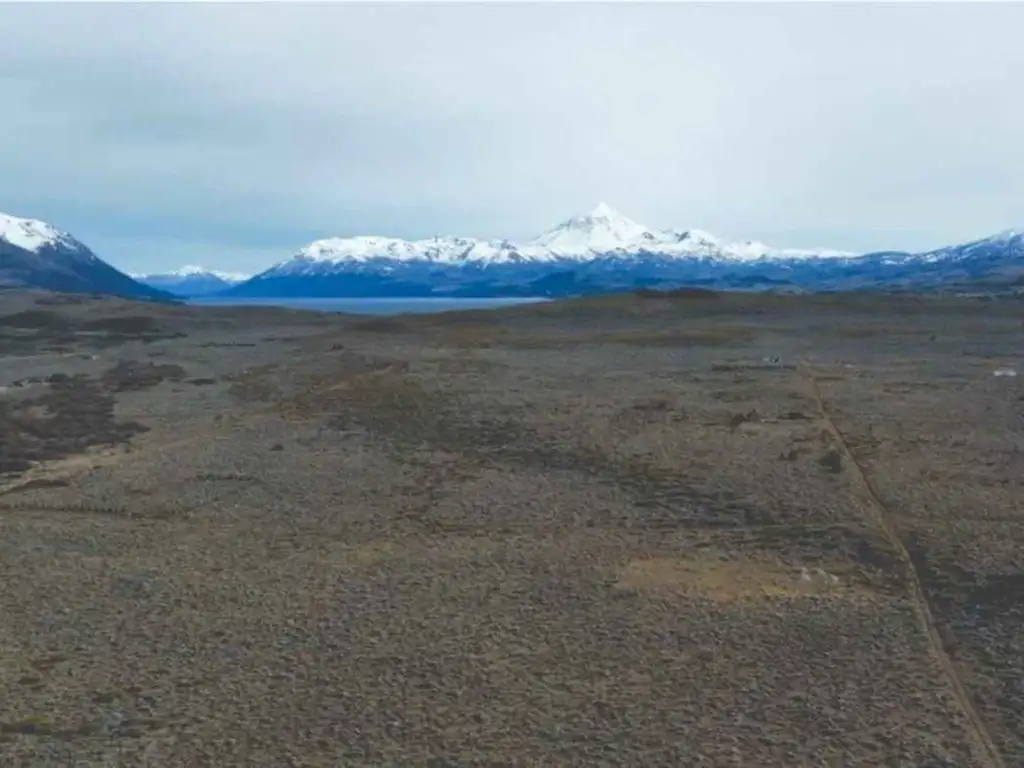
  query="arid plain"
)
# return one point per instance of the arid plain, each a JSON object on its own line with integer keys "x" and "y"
{"x": 683, "y": 530}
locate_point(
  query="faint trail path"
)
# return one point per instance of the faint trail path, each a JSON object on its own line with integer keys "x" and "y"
{"x": 882, "y": 517}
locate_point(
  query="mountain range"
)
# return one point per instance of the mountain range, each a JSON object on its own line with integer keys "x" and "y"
{"x": 598, "y": 252}
{"x": 606, "y": 251}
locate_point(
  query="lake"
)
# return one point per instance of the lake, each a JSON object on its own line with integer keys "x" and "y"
{"x": 362, "y": 306}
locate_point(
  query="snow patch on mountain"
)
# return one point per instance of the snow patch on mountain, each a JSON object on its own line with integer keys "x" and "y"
{"x": 34, "y": 235}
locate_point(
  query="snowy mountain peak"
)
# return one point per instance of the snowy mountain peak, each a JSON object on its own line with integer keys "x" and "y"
{"x": 605, "y": 211}
{"x": 603, "y": 230}
{"x": 604, "y": 215}
{"x": 32, "y": 234}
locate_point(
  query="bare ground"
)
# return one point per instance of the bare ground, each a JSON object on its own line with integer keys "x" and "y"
{"x": 690, "y": 530}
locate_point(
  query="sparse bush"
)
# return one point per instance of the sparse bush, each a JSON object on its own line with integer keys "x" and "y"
{"x": 129, "y": 375}
{"x": 832, "y": 461}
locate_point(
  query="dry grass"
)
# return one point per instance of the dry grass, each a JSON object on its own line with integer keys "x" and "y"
{"x": 707, "y": 337}
{"x": 593, "y": 532}
{"x": 489, "y": 336}
{"x": 382, "y": 325}
{"x": 724, "y": 579}
{"x": 476, "y": 336}
{"x": 686, "y": 294}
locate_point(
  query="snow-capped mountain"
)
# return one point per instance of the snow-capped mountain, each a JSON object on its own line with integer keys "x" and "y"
{"x": 602, "y": 233}
{"x": 604, "y": 250}
{"x": 602, "y": 245}
{"x": 192, "y": 280}
{"x": 997, "y": 260}
{"x": 35, "y": 254}
{"x": 597, "y": 252}
{"x": 1008, "y": 242}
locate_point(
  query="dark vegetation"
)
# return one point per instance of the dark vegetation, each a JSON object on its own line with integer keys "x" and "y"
{"x": 75, "y": 414}
{"x": 131, "y": 375}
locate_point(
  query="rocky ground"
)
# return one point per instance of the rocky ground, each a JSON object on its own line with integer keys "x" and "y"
{"x": 647, "y": 530}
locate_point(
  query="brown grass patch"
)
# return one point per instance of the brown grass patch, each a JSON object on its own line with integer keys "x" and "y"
{"x": 375, "y": 394}
{"x": 369, "y": 555}
{"x": 473, "y": 336}
{"x": 681, "y": 337}
{"x": 372, "y": 554}
{"x": 254, "y": 384}
{"x": 720, "y": 580}
{"x": 667, "y": 337}
{"x": 677, "y": 293}
{"x": 381, "y": 325}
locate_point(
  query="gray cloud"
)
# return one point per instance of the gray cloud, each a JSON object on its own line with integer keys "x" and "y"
{"x": 232, "y": 133}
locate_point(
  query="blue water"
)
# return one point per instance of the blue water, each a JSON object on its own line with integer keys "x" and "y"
{"x": 365, "y": 306}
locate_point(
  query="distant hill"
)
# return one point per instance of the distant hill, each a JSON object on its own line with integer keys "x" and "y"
{"x": 34, "y": 254}
{"x": 192, "y": 281}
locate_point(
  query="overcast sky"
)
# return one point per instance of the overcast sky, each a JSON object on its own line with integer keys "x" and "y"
{"x": 231, "y": 135}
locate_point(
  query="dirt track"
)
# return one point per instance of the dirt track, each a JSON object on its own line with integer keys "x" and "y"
{"x": 928, "y": 626}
